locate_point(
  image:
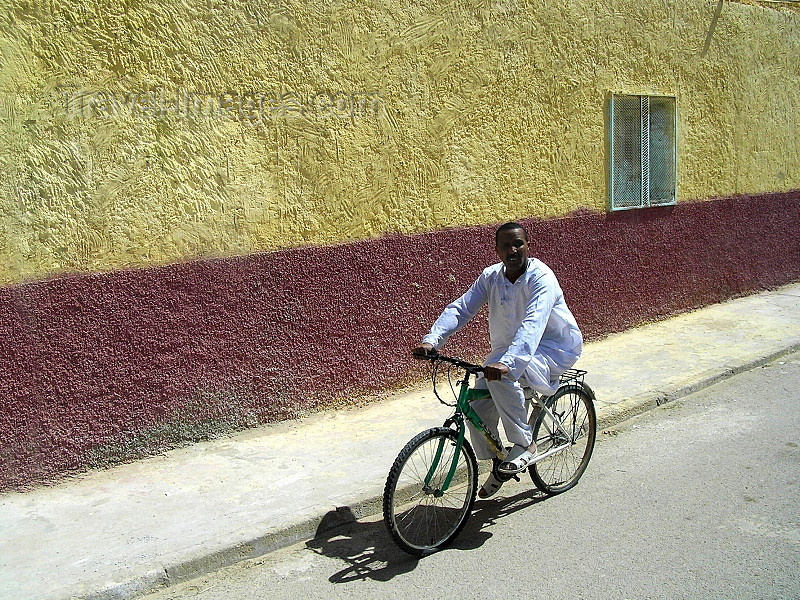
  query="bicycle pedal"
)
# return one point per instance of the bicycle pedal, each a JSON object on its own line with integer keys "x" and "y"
{"x": 503, "y": 477}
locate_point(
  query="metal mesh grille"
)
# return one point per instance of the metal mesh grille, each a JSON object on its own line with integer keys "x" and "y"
{"x": 662, "y": 151}
{"x": 627, "y": 154}
{"x": 643, "y": 169}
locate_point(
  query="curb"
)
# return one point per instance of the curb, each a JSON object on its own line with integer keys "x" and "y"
{"x": 639, "y": 404}
{"x": 185, "y": 570}
{"x": 157, "y": 580}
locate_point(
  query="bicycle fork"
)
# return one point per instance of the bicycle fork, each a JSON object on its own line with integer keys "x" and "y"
{"x": 438, "y": 493}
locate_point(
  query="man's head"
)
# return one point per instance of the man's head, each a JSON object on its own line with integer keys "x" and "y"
{"x": 511, "y": 245}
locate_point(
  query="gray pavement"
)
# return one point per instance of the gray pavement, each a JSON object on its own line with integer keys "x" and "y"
{"x": 137, "y": 527}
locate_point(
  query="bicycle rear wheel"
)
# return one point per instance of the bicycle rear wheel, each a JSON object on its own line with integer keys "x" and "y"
{"x": 574, "y": 408}
{"x": 421, "y": 518}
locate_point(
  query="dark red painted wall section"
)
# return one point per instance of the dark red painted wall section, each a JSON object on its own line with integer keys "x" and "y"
{"x": 102, "y": 368}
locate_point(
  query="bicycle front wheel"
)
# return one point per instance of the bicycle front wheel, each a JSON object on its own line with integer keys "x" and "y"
{"x": 573, "y": 407}
{"x": 420, "y": 516}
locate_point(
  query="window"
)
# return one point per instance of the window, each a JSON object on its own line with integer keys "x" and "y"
{"x": 643, "y": 151}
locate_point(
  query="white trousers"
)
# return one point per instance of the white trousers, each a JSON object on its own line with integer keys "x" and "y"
{"x": 507, "y": 404}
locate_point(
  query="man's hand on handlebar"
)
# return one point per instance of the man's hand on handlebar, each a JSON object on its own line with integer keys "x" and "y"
{"x": 495, "y": 371}
{"x": 423, "y": 350}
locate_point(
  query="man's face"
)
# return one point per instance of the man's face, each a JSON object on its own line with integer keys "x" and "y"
{"x": 512, "y": 248}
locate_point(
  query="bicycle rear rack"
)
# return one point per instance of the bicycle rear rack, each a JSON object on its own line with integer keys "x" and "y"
{"x": 575, "y": 375}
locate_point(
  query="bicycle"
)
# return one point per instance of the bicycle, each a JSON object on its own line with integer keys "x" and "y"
{"x": 432, "y": 484}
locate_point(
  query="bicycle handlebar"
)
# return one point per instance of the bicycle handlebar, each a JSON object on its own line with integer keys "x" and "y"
{"x": 434, "y": 355}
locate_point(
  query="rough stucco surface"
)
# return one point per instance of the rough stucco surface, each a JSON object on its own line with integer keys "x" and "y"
{"x": 107, "y": 367}
{"x": 485, "y": 111}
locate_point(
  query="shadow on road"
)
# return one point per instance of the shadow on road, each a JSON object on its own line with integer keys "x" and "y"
{"x": 369, "y": 552}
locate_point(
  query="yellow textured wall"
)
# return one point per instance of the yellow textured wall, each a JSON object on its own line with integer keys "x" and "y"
{"x": 468, "y": 112}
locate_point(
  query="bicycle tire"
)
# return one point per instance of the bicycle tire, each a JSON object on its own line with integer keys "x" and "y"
{"x": 561, "y": 471}
{"x": 423, "y": 521}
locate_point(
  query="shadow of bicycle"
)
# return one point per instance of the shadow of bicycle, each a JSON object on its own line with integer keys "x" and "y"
{"x": 369, "y": 552}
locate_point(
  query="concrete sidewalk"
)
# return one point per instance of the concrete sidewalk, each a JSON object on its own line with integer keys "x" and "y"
{"x": 136, "y": 527}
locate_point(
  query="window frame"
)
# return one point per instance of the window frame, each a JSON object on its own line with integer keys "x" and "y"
{"x": 645, "y": 200}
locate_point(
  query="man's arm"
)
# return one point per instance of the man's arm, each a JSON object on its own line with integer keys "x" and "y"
{"x": 457, "y": 314}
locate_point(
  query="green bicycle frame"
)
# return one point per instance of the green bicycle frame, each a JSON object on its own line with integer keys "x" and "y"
{"x": 463, "y": 410}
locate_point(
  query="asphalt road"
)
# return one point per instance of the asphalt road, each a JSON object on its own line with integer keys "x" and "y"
{"x": 697, "y": 499}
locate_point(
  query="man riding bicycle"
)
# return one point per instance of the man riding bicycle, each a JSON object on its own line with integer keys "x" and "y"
{"x": 534, "y": 339}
